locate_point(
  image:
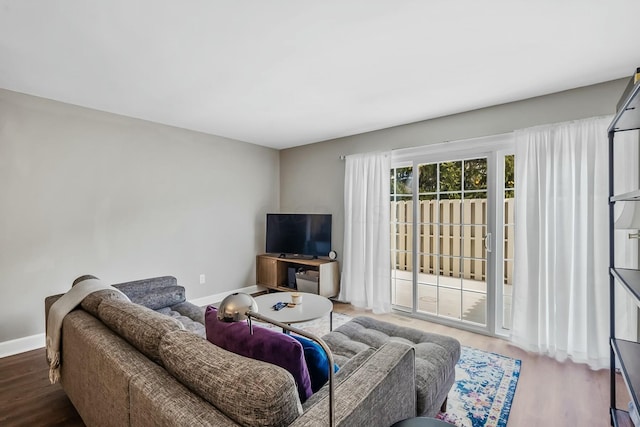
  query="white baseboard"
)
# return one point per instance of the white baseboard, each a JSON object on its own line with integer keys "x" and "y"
{"x": 212, "y": 299}
{"x": 20, "y": 345}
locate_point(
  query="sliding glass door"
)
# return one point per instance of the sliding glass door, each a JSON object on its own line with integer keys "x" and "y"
{"x": 444, "y": 228}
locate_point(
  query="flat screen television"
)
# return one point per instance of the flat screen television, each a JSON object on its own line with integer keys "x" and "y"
{"x": 307, "y": 235}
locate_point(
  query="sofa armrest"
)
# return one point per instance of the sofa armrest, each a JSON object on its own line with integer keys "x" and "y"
{"x": 154, "y": 293}
{"x": 48, "y": 302}
{"x": 379, "y": 393}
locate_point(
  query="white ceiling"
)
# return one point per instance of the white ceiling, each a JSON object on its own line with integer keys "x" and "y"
{"x": 283, "y": 73}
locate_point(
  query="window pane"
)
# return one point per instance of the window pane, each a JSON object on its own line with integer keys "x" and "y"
{"x": 509, "y": 171}
{"x": 427, "y": 211}
{"x": 473, "y": 241}
{"x": 450, "y": 240}
{"x": 507, "y": 294}
{"x": 404, "y": 177}
{"x": 474, "y": 307}
{"x": 509, "y": 240}
{"x": 508, "y": 277}
{"x": 451, "y": 176}
{"x": 450, "y": 211}
{"x": 404, "y": 241}
{"x": 475, "y": 174}
{"x": 394, "y": 260}
{"x": 449, "y": 302}
{"x": 392, "y": 183}
{"x": 427, "y": 298}
{"x": 474, "y": 211}
{"x": 401, "y": 289}
{"x": 509, "y": 212}
{"x": 402, "y": 209}
{"x": 401, "y": 260}
{"x": 506, "y": 311}
{"x": 450, "y": 272}
{"x": 474, "y": 272}
{"x": 427, "y": 238}
{"x": 428, "y": 178}
{"x": 427, "y": 262}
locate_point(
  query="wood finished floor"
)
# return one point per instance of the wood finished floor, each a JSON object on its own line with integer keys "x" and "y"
{"x": 549, "y": 393}
{"x": 26, "y": 396}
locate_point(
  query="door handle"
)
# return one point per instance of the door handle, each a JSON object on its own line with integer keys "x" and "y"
{"x": 487, "y": 242}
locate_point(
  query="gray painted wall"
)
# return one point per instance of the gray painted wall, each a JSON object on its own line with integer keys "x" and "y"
{"x": 86, "y": 192}
{"x": 312, "y": 176}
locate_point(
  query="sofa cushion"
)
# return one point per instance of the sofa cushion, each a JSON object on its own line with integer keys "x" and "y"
{"x": 436, "y": 355}
{"x": 91, "y": 302}
{"x": 265, "y": 344}
{"x": 159, "y": 297}
{"x": 188, "y": 323}
{"x": 190, "y": 310}
{"x": 250, "y": 392}
{"x": 159, "y": 398}
{"x": 140, "y": 326}
{"x": 317, "y": 362}
{"x": 145, "y": 286}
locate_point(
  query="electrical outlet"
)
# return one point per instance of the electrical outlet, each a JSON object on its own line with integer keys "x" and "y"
{"x": 202, "y": 279}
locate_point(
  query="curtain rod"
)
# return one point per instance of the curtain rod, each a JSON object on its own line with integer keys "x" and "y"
{"x": 447, "y": 143}
{"x": 343, "y": 157}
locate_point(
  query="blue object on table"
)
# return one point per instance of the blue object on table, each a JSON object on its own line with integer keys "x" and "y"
{"x": 279, "y": 306}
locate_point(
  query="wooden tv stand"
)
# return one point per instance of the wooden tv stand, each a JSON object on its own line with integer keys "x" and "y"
{"x": 272, "y": 272}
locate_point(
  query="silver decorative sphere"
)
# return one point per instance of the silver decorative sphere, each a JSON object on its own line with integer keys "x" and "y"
{"x": 235, "y": 306}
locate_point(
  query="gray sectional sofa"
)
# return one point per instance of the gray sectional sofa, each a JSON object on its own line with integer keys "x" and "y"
{"x": 145, "y": 362}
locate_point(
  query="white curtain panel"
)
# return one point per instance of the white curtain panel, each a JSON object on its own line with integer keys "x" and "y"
{"x": 561, "y": 289}
{"x": 366, "y": 270}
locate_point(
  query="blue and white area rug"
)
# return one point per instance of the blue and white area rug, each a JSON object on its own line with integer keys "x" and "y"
{"x": 483, "y": 391}
{"x": 484, "y": 388}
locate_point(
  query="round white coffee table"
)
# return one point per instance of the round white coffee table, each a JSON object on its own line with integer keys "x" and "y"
{"x": 312, "y": 307}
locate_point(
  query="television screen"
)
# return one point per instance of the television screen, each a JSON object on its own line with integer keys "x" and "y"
{"x": 299, "y": 234}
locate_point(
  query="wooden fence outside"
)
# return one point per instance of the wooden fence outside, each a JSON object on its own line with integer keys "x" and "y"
{"x": 459, "y": 226}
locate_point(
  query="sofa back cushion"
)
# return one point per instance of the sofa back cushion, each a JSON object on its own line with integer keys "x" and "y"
{"x": 161, "y": 297}
{"x": 140, "y": 326}
{"x": 146, "y": 285}
{"x": 91, "y": 302}
{"x": 154, "y": 293}
{"x": 267, "y": 345}
{"x": 250, "y": 392}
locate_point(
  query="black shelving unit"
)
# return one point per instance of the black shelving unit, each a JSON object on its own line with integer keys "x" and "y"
{"x": 627, "y": 353}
